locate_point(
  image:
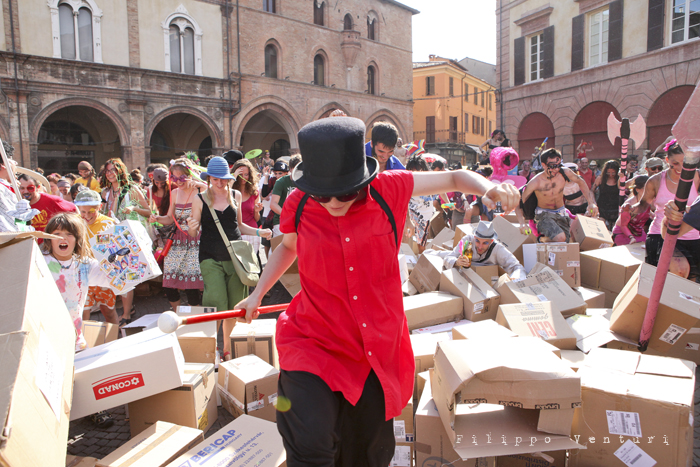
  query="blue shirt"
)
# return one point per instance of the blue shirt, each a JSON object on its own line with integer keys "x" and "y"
{"x": 392, "y": 164}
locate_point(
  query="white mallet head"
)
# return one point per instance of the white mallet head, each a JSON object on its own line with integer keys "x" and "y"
{"x": 169, "y": 322}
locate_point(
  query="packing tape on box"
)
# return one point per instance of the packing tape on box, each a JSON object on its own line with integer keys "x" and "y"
{"x": 205, "y": 377}
{"x": 142, "y": 452}
{"x": 227, "y": 395}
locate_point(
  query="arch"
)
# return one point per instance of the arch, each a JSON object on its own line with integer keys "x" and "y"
{"x": 534, "y": 128}
{"x": 664, "y": 112}
{"x": 179, "y": 17}
{"x": 591, "y": 125}
{"x": 348, "y": 23}
{"x": 38, "y": 120}
{"x": 324, "y": 72}
{"x": 287, "y": 117}
{"x": 278, "y": 48}
{"x": 214, "y": 131}
{"x": 377, "y": 88}
{"x": 319, "y": 12}
{"x": 327, "y": 109}
{"x": 373, "y": 26}
{"x": 386, "y": 115}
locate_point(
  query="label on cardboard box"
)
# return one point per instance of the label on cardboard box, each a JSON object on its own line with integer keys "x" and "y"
{"x": 552, "y": 258}
{"x": 402, "y": 456}
{"x": 479, "y": 307}
{"x": 633, "y": 456}
{"x": 400, "y": 430}
{"x": 691, "y": 346}
{"x": 542, "y": 298}
{"x": 672, "y": 334}
{"x": 272, "y": 399}
{"x": 573, "y": 264}
{"x": 623, "y": 423}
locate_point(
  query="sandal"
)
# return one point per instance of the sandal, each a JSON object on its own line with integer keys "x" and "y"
{"x": 102, "y": 420}
{"x": 124, "y": 321}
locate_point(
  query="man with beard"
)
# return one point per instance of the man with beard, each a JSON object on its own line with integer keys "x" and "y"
{"x": 381, "y": 147}
{"x": 551, "y": 216}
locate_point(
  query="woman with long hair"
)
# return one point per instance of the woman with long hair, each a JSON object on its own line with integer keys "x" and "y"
{"x": 158, "y": 193}
{"x": 609, "y": 192}
{"x": 246, "y": 183}
{"x": 634, "y": 213}
{"x": 124, "y": 200}
{"x": 181, "y": 265}
{"x": 223, "y": 288}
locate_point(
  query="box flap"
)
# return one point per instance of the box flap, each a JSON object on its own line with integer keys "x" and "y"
{"x": 486, "y": 329}
{"x": 573, "y": 358}
{"x": 11, "y": 347}
{"x": 10, "y": 238}
{"x": 446, "y": 327}
{"x": 665, "y": 366}
{"x": 613, "y": 360}
{"x": 426, "y": 344}
{"x": 249, "y": 368}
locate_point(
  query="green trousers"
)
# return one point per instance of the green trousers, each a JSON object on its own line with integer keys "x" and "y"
{"x": 222, "y": 287}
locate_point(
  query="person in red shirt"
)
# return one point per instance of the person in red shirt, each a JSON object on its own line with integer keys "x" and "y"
{"x": 345, "y": 354}
{"x": 585, "y": 172}
{"x": 48, "y": 205}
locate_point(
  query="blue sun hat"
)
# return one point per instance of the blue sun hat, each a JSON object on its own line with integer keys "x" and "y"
{"x": 217, "y": 168}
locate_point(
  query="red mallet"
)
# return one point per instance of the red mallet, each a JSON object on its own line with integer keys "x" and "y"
{"x": 169, "y": 321}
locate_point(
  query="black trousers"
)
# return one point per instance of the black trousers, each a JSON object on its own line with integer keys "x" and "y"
{"x": 323, "y": 429}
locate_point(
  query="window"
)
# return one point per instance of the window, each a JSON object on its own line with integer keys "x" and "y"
{"x": 598, "y": 38}
{"x": 319, "y": 8}
{"x": 371, "y": 23}
{"x": 490, "y": 101}
{"x": 452, "y": 86}
{"x": 466, "y": 123}
{"x": 482, "y": 126}
{"x": 490, "y": 127}
{"x": 76, "y": 30}
{"x": 319, "y": 70}
{"x": 269, "y": 6}
{"x": 270, "y": 61}
{"x": 685, "y": 20}
{"x": 347, "y": 22}
{"x": 453, "y": 129}
{"x": 371, "y": 71}
{"x": 466, "y": 93}
{"x": 536, "y": 57}
{"x": 475, "y": 124}
{"x": 429, "y": 85}
{"x": 429, "y": 129}
{"x": 482, "y": 98}
{"x": 183, "y": 43}
{"x": 476, "y": 95}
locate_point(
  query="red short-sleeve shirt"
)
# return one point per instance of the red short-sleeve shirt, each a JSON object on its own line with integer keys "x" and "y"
{"x": 348, "y": 317}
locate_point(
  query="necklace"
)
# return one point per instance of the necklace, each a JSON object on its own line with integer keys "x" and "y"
{"x": 668, "y": 175}
{"x": 61, "y": 264}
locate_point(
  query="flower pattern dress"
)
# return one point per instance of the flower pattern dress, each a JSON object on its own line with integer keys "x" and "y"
{"x": 181, "y": 266}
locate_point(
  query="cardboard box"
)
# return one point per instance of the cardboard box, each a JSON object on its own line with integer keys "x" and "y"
{"x": 480, "y": 300}
{"x": 144, "y": 323}
{"x": 540, "y": 286}
{"x": 540, "y": 459}
{"x": 487, "y": 329}
{"x": 537, "y": 320}
{"x": 593, "y": 298}
{"x": 126, "y": 370}
{"x": 426, "y": 275}
{"x": 248, "y": 385}
{"x": 411, "y": 258}
{"x": 510, "y": 236}
{"x": 563, "y": 258}
{"x": 593, "y": 331}
{"x": 505, "y": 388}
{"x": 590, "y": 233}
{"x": 292, "y": 283}
{"x": 408, "y": 289}
{"x": 443, "y": 239}
{"x": 186, "y": 311}
{"x": 197, "y": 341}
{"x": 231, "y": 446}
{"x": 424, "y": 347}
{"x": 403, "y": 268}
{"x": 98, "y": 333}
{"x": 256, "y": 338}
{"x": 403, "y": 425}
{"x": 126, "y": 271}
{"x": 438, "y": 328}
{"x": 631, "y": 398}
{"x": 573, "y": 358}
{"x": 156, "y": 446}
{"x": 462, "y": 230}
{"x": 37, "y": 344}
{"x": 678, "y": 309}
{"x": 433, "y": 446}
{"x": 274, "y": 243}
{"x": 76, "y": 461}
{"x": 432, "y": 308}
{"x": 193, "y": 404}
{"x": 488, "y": 273}
{"x": 437, "y": 224}
{"x": 403, "y": 455}
{"x": 610, "y": 268}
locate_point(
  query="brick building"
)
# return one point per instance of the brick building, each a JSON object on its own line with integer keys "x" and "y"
{"x": 564, "y": 66}
{"x": 454, "y": 111}
{"x": 142, "y": 79}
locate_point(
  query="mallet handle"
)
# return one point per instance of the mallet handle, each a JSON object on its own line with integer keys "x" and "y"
{"x": 203, "y": 318}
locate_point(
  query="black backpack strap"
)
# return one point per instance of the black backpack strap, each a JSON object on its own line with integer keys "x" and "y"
{"x": 385, "y": 207}
{"x": 488, "y": 254}
{"x": 300, "y": 208}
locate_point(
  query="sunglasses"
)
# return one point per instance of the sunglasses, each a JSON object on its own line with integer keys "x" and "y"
{"x": 180, "y": 179}
{"x": 552, "y": 165}
{"x": 655, "y": 169}
{"x": 111, "y": 171}
{"x": 30, "y": 188}
{"x": 119, "y": 253}
{"x": 342, "y": 198}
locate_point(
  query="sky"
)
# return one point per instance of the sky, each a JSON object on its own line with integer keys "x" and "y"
{"x": 454, "y": 29}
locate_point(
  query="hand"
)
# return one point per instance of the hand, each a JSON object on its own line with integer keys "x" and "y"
{"x": 592, "y": 211}
{"x": 265, "y": 233}
{"x": 525, "y": 230}
{"x": 258, "y": 207}
{"x": 250, "y": 304}
{"x": 238, "y": 172}
{"x": 153, "y": 219}
{"x": 266, "y": 170}
{"x": 192, "y": 223}
{"x": 632, "y": 240}
{"x": 507, "y": 194}
{"x": 128, "y": 209}
{"x": 463, "y": 262}
{"x": 672, "y": 213}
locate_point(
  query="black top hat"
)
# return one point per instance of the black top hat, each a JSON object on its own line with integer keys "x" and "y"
{"x": 280, "y": 166}
{"x": 232, "y": 156}
{"x": 334, "y": 161}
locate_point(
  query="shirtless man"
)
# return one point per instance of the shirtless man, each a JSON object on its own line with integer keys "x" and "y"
{"x": 551, "y": 217}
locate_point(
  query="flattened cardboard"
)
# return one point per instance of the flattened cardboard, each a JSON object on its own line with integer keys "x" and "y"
{"x": 543, "y": 284}
{"x": 678, "y": 311}
{"x": 590, "y": 233}
{"x": 431, "y": 308}
{"x": 126, "y": 370}
{"x": 480, "y": 300}
{"x": 99, "y": 332}
{"x": 610, "y": 268}
{"x": 625, "y": 393}
{"x": 193, "y": 404}
{"x": 156, "y": 446}
{"x": 426, "y": 275}
{"x": 256, "y": 338}
{"x": 248, "y": 385}
{"x": 229, "y": 446}
{"x": 563, "y": 258}
{"x": 537, "y": 320}
{"x": 510, "y": 236}
{"x": 37, "y": 338}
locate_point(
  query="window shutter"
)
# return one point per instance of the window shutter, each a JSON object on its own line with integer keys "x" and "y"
{"x": 615, "y": 31}
{"x": 519, "y": 61}
{"x": 548, "y": 52}
{"x": 577, "y": 35}
{"x": 655, "y": 29}
{"x": 427, "y": 85}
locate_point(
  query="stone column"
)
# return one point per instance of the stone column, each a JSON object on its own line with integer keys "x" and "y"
{"x": 136, "y": 154}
